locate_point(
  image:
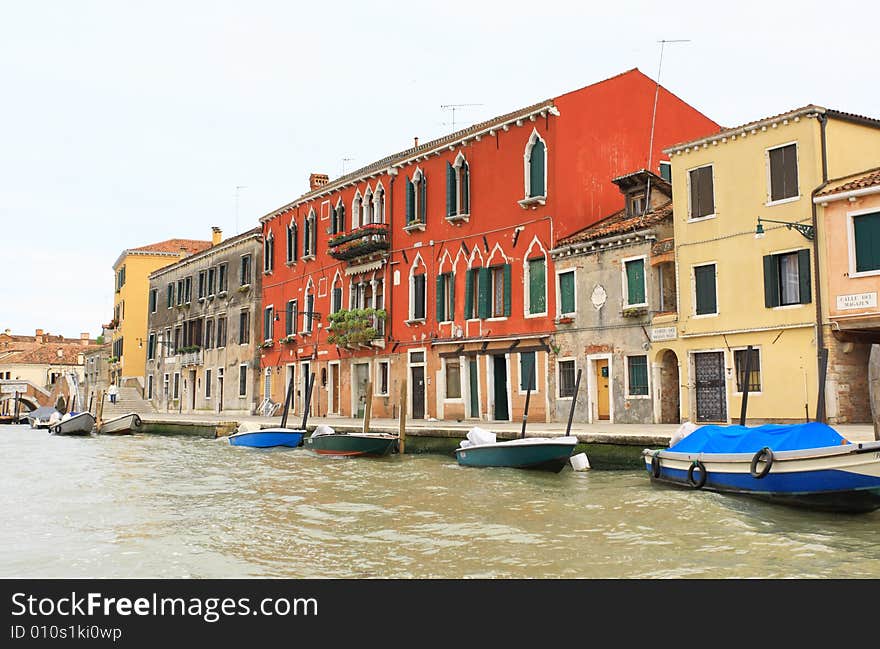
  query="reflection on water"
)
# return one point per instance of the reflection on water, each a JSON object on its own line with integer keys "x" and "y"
{"x": 160, "y": 506}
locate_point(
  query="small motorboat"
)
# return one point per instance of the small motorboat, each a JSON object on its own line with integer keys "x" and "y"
{"x": 122, "y": 425}
{"x": 42, "y": 417}
{"x": 324, "y": 440}
{"x": 481, "y": 449}
{"x": 266, "y": 437}
{"x": 804, "y": 465}
{"x": 74, "y": 423}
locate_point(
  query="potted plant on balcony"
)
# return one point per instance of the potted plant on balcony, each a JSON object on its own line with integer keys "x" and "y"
{"x": 634, "y": 311}
{"x": 564, "y": 319}
{"x": 289, "y": 338}
{"x": 267, "y": 343}
{"x": 355, "y": 327}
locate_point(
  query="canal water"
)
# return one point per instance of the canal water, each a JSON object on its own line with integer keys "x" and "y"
{"x": 149, "y": 506}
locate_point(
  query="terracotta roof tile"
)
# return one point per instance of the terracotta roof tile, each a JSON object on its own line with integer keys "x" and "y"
{"x": 47, "y": 354}
{"x": 619, "y": 223}
{"x": 860, "y": 180}
{"x": 191, "y": 246}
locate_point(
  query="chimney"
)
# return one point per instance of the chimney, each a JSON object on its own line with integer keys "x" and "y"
{"x": 38, "y": 337}
{"x": 84, "y": 337}
{"x": 216, "y": 235}
{"x": 415, "y": 142}
{"x": 318, "y": 180}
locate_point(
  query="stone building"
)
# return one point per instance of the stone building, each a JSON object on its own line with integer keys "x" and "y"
{"x": 203, "y": 333}
{"x": 610, "y": 278}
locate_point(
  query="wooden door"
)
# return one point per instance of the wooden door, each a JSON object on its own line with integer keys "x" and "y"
{"x": 603, "y": 405}
{"x": 418, "y": 392}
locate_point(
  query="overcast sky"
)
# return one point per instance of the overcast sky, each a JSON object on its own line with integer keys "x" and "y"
{"x": 125, "y": 123}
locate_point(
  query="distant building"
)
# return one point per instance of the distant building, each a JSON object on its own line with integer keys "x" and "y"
{"x": 131, "y": 302}
{"x": 202, "y": 341}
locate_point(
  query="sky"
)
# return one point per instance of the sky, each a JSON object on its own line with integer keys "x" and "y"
{"x": 124, "y": 123}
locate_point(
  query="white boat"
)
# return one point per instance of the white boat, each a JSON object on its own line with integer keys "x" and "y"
{"x": 43, "y": 417}
{"x": 81, "y": 423}
{"x": 122, "y": 425}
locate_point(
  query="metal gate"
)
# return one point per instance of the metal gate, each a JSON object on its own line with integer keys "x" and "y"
{"x": 711, "y": 389}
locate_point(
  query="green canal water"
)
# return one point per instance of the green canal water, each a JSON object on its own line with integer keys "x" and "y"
{"x": 173, "y": 506}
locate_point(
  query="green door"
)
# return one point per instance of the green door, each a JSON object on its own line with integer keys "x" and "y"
{"x": 500, "y": 375}
{"x": 475, "y": 393}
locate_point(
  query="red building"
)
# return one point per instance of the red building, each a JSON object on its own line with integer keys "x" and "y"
{"x": 431, "y": 266}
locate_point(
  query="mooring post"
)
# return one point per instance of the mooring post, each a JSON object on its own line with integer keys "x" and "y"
{"x": 368, "y": 406}
{"x": 744, "y": 388}
{"x": 401, "y": 433}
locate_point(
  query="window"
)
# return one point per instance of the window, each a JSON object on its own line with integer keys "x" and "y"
{"x": 367, "y": 208}
{"x": 207, "y": 384}
{"x": 307, "y": 315}
{"x": 149, "y": 387}
{"x": 416, "y": 199}
{"x": 202, "y": 285}
{"x": 290, "y": 318}
{"x": 702, "y": 192}
{"x": 244, "y": 327}
{"x": 471, "y": 293}
{"x": 169, "y": 294}
{"x": 566, "y": 379}
{"x": 498, "y": 293}
{"x": 526, "y": 369}
{"x": 292, "y": 241}
{"x": 666, "y": 171}
{"x": 379, "y": 205}
{"x": 244, "y": 276}
{"x": 120, "y": 278}
{"x": 222, "y": 278}
{"x": 178, "y": 339}
{"x": 787, "y": 279}
{"x": 166, "y": 348}
{"x": 446, "y": 297}
{"x": 417, "y": 305}
{"x": 536, "y": 167}
{"x": 267, "y": 322}
{"x": 783, "y": 172}
{"x": 221, "y": 331}
{"x": 337, "y": 218}
{"x": 176, "y": 393}
{"x": 187, "y": 289}
{"x": 537, "y": 286}
{"x": 705, "y": 290}
{"x": 212, "y": 275}
{"x": 637, "y": 374}
{"x": 356, "y": 207}
{"x": 866, "y": 245}
{"x": 165, "y": 383}
{"x": 453, "y": 378}
{"x": 739, "y": 360}
{"x": 566, "y": 293}
{"x": 242, "y": 380}
{"x": 336, "y": 299}
{"x": 268, "y": 253}
{"x": 634, "y": 282}
{"x": 179, "y": 291}
{"x": 458, "y": 188}
{"x": 310, "y": 236}
{"x": 154, "y": 299}
{"x": 382, "y": 378}
{"x": 209, "y": 334}
{"x": 151, "y": 346}
{"x": 636, "y": 204}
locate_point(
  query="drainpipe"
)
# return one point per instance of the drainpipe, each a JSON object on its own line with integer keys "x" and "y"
{"x": 821, "y": 350}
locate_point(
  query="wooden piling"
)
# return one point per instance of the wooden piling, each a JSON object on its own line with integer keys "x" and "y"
{"x": 99, "y": 409}
{"x": 368, "y": 406}
{"x": 401, "y": 433}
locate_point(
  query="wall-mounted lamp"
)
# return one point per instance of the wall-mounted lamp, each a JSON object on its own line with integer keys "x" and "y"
{"x": 808, "y": 231}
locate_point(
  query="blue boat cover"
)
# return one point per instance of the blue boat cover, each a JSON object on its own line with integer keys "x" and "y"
{"x": 749, "y": 439}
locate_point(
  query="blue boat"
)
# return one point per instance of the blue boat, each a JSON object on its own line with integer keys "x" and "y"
{"x": 268, "y": 437}
{"x": 803, "y": 465}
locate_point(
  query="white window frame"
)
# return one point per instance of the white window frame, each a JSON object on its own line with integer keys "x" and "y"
{"x": 791, "y": 199}
{"x": 418, "y": 261}
{"x": 461, "y": 160}
{"x": 271, "y": 309}
{"x": 625, "y": 281}
{"x": 559, "y": 361}
{"x": 694, "y": 313}
{"x": 691, "y": 218}
{"x": 269, "y": 259}
{"x": 240, "y": 395}
{"x": 446, "y": 397}
{"x": 649, "y": 369}
{"x": 519, "y": 376}
{"x": 527, "y": 169}
{"x": 208, "y": 386}
{"x": 851, "y": 242}
{"x": 379, "y": 364}
{"x": 527, "y": 277}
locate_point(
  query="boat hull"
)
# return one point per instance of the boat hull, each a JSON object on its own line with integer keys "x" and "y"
{"x": 353, "y": 444}
{"x": 539, "y": 455}
{"x": 125, "y": 425}
{"x": 81, "y": 424}
{"x": 268, "y": 438}
{"x": 842, "y": 479}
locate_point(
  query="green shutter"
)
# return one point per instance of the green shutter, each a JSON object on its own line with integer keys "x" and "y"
{"x": 507, "y": 288}
{"x": 526, "y": 366}
{"x": 484, "y": 288}
{"x": 638, "y": 375}
{"x": 635, "y": 281}
{"x": 451, "y": 288}
{"x": 704, "y": 278}
{"x": 771, "y": 281}
{"x": 566, "y": 290}
{"x": 469, "y": 293}
{"x": 423, "y": 200}
{"x": 804, "y": 276}
{"x": 441, "y": 315}
{"x": 536, "y": 169}
{"x": 410, "y": 200}
{"x": 537, "y": 286}
{"x": 450, "y": 190}
{"x": 866, "y": 228}
{"x": 464, "y": 178}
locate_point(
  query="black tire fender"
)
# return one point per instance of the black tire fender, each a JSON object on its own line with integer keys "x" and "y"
{"x": 697, "y": 484}
{"x": 765, "y": 455}
{"x": 655, "y": 465}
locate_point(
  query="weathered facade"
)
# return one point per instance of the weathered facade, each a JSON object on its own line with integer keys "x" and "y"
{"x": 203, "y": 329}
{"x": 610, "y": 279}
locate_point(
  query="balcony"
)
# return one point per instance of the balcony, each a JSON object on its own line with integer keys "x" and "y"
{"x": 355, "y": 328}
{"x": 370, "y": 240}
{"x": 190, "y": 357}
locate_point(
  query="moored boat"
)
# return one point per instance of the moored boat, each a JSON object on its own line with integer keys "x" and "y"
{"x": 43, "y": 416}
{"x": 122, "y": 425}
{"x": 80, "y": 423}
{"x": 804, "y": 465}
{"x": 326, "y": 441}
{"x": 267, "y": 437}
{"x": 539, "y": 453}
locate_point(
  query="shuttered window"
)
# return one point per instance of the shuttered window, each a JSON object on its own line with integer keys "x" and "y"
{"x": 526, "y": 367}
{"x": 471, "y": 307}
{"x": 501, "y": 287}
{"x": 635, "y": 282}
{"x": 702, "y": 192}
{"x": 418, "y": 307}
{"x": 537, "y": 175}
{"x": 445, "y": 297}
{"x": 268, "y": 253}
{"x": 267, "y": 323}
{"x": 566, "y": 292}
{"x": 484, "y": 289}
{"x": 409, "y": 191}
{"x": 337, "y": 299}
{"x": 787, "y": 279}
{"x": 537, "y": 286}
{"x": 464, "y": 188}
{"x": 290, "y": 318}
{"x": 866, "y": 232}
{"x": 451, "y": 191}
{"x": 704, "y": 287}
{"x": 637, "y": 367}
{"x": 783, "y": 172}
{"x": 292, "y": 242}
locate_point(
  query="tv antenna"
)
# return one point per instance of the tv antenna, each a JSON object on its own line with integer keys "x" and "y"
{"x": 344, "y": 160}
{"x": 656, "y": 95}
{"x": 237, "y": 188}
{"x": 452, "y": 107}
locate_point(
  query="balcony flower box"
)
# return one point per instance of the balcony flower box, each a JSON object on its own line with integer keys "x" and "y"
{"x": 267, "y": 343}
{"x": 288, "y": 339}
{"x": 564, "y": 319}
{"x": 355, "y": 249}
{"x": 634, "y": 312}
{"x": 359, "y": 233}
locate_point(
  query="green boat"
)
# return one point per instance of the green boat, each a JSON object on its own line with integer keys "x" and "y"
{"x": 540, "y": 453}
{"x": 352, "y": 444}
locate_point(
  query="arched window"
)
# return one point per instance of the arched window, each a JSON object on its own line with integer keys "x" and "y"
{"x": 356, "y": 210}
{"x": 309, "y": 307}
{"x": 337, "y": 218}
{"x": 367, "y": 208}
{"x": 416, "y": 203}
{"x": 292, "y": 243}
{"x": 535, "y": 273}
{"x": 310, "y": 235}
{"x": 536, "y": 167}
{"x": 379, "y": 205}
{"x": 418, "y": 298}
{"x": 458, "y": 189}
{"x": 268, "y": 253}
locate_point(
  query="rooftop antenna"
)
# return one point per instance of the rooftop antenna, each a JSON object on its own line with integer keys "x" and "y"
{"x": 237, "y": 188}
{"x": 344, "y": 160}
{"x": 452, "y": 107}
{"x": 654, "y": 117}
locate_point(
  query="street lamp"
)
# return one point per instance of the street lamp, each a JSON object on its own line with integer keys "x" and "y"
{"x": 808, "y": 231}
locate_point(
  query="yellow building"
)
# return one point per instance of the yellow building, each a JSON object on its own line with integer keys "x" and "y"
{"x": 746, "y": 273}
{"x": 132, "y": 300}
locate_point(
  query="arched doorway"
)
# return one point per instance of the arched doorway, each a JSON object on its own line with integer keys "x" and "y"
{"x": 670, "y": 405}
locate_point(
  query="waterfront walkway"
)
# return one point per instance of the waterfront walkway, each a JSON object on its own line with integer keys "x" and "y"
{"x": 645, "y": 435}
